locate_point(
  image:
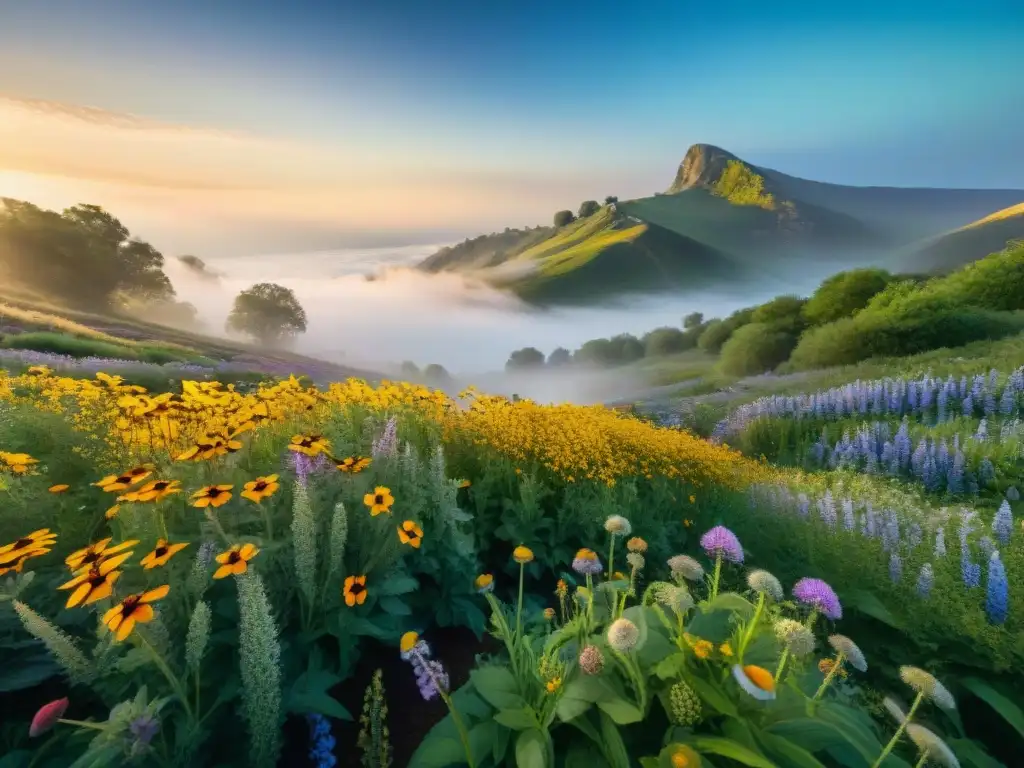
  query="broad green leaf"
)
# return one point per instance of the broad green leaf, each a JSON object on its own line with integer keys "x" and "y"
{"x": 655, "y": 650}
{"x": 712, "y": 696}
{"x": 649, "y": 762}
{"x": 670, "y": 667}
{"x": 531, "y": 751}
{"x": 397, "y": 585}
{"x": 869, "y": 605}
{"x": 621, "y": 711}
{"x": 584, "y": 755}
{"x": 395, "y": 606}
{"x": 482, "y": 737}
{"x": 579, "y": 695}
{"x": 971, "y": 754}
{"x": 438, "y": 753}
{"x": 812, "y": 735}
{"x": 730, "y": 601}
{"x": 787, "y": 753}
{"x": 732, "y": 750}
{"x": 614, "y": 748}
{"x": 497, "y": 687}
{"x": 517, "y": 719}
{"x": 1008, "y": 710}
{"x": 847, "y": 722}
{"x": 712, "y": 625}
{"x": 31, "y": 672}
{"x": 361, "y": 626}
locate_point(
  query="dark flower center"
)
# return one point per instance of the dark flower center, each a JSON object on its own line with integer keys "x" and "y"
{"x": 356, "y": 589}
{"x": 21, "y": 543}
{"x": 160, "y": 551}
{"x": 213, "y": 493}
{"x": 128, "y": 605}
{"x": 260, "y": 486}
{"x": 90, "y": 557}
{"x": 233, "y": 558}
{"x": 96, "y": 579}
{"x": 378, "y": 499}
{"x": 161, "y": 485}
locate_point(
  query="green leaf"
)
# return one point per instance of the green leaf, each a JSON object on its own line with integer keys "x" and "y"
{"x": 869, "y": 605}
{"x": 481, "y": 738}
{"x": 730, "y": 601}
{"x": 1008, "y": 710}
{"x": 517, "y": 719}
{"x": 657, "y": 649}
{"x": 397, "y": 585}
{"x": 787, "y": 753}
{"x": 621, "y": 711}
{"x": 812, "y": 735}
{"x": 579, "y": 695}
{"x": 649, "y": 762}
{"x": 497, "y": 687}
{"x": 732, "y": 750}
{"x": 28, "y": 673}
{"x": 438, "y": 752}
{"x": 395, "y": 606}
{"x": 712, "y": 625}
{"x": 971, "y": 754}
{"x": 670, "y": 667}
{"x": 360, "y": 626}
{"x": 614, "y": 748}
{"x": 531, "y": 751}
{"x": 713, "y": 697}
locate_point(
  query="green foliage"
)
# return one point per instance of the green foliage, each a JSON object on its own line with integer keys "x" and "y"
{"x": 665, "y": 341}
{"x": 755, "y": 348}
{"x": 563, "y": 218}
{"x": 618, "y": 350}
{"x": 75, "y": 346}
{"x": 268, "y": 312}
{"x": 559, "y": 357}
{"x": 83, "y": 256}
{"x": 993, "y": 283}
{"x": 436, "y": 375}
{"x": 844, "y": 294}
{"x": 373, "y": 732}
{"x": 741, "y": 186}
{"x": 693, "y": 320}
{"x": 783, "y": 313}
{"x": 588, "y": 208}
{"x": 525, "y": 358}
{"x": 717, "y": 332}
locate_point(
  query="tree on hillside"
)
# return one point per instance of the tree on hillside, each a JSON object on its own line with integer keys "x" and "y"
{"x": 784, "y": 313}
{"x": 83, "y": 256}
{"x": 844, "y": 294}
{"x": 665, "y": 341}
{"x": 564, "y": 217}
{"x": 268, "y": 312}
{"x": 559, "y": 357}
{"x": 693, "y": 320}
{"x": 525, "y": 358}
{"x": 716, "y": 332}
{"x": 611, "y": 199}
{"x": 755, "y": 348}
{"x": 589, "y": 208}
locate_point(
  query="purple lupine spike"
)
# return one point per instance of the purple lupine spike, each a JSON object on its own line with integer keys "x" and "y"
{"x": 997, "y": 597}
{"x": 1002, "y": 523}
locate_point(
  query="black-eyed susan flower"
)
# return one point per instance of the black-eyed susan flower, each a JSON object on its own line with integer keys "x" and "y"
{"x": 522, "y": 555}
{"x": 124, "y": 481}
{"x": 379, "y": 501}
{"x": 162, "y": 552}
{"x": 153, "y": 491}
{"x": 96, "y": 553}
{"x": 201, "y": 450}
{"x": 410, "y": 533}
{"x": 95, "y": 583}
{"x": 311, "y": 445}
{"x": 212, "y": 496}
{"x": 235, "y": 561}
{"x": 17, "y": 463}
{"x": 41, "y": 539}
{"x": 38, "y": 370}
{"x": 484, "y": 583}
{"x": 59, "y": 488}
{"x": 354, "y": 591}
{"x": 353, "y": 464}
{"x": 757, "y": 681}
{"x": 134, "y": 609}
{"x": 260, "y": 488}
{"x": 16, "y": 562}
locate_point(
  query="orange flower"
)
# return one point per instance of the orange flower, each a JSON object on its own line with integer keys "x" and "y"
{"x": 153, "y": 491}
{"x": 353, "y": 464}
{"x": 59, "y": 488}
{"x": 260, "y": 488}
{"x": 160, "y": 554}
{"x": 379, "y": 501}
{"x": 411, "y": 534}
{"x": 134, "y": 609}
{"x": 96, "y": 583}
{"x": 212, "y": 496}
{"x": 355, "y": 590}
{"x": 15, "y": 562}
{"x": 41, "y": 539}
{"x": 311, "y": 445}
{"x": 96, "y": 553}
{"x": 111, "y": 513}
{"x": 124, "y": 481}
{"x": 235, "y": 561}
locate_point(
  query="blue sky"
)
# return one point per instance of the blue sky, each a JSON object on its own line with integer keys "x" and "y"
{"x": 523, "y": 106}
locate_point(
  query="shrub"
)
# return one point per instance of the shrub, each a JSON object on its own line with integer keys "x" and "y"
{"x": 589, "y": 208}
{"x": 563, "y": 218}
{"x": 755, "y": 348}
{"x": 844, "y": 294}
{"x": 558, "y": 357}
{"x": 783, "y": 313}
{"x": 61, "y": 344}
{"x": 525, "y": 358}
{"x": 665, "y": 341}
{"x": 717, "y": 332}
{"x": 995, "y": 282}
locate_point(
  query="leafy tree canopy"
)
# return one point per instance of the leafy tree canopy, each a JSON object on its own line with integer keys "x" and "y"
{"x": 564, "y": 217}
{"x": 558, "y": 357}
{"x": 527, "y": 357}
{"x": 693, "y": 320}
{"x": 589, "y": 208}
{"x": 844, "y": 294}
{"x": 268, "y": 312}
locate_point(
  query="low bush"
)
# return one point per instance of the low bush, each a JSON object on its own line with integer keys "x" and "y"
{"x": 755, "y": 348}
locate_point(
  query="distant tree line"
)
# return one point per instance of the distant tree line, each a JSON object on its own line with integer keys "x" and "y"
{"x": 587, "y": 208}
{"x": 852, "y": 316}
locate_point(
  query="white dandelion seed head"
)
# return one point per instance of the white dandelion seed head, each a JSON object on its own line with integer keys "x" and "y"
{"x": 932, "y": 746}
{"x": 797, "y": 638}
{"x": 686, "y": 567}
{"x": 895, "y": 709}
{"x": 617, "y": 525}
{"x": 636, "y": 561}
{"x": 765, "y": 584}
{"x": 925, "y": 682}
{"x": 623, "y": 635}
{"x": 844, "y": 645}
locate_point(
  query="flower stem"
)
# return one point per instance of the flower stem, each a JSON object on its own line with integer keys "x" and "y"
{"x": 899, "y": 731}
{"x": 83, "y": 724}
{"x": 782, "y": 664}
{"x": 716, "y": 577}
{"x": 836, "y": 666}
{"x": 749, "y": 633}
{"x": 461, "y": 726}
{"x": 921, "y": 763}
{"x": 519, "y": 606}
{"x": 611, "y": 555}
{"x": 171, "y": 677}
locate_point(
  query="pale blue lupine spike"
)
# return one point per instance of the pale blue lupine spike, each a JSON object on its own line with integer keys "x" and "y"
{"x": 895, "y": 567}
{"x": 940, "y": 544}
{"x": 967, "y": 406}
{"x": 941, "y": 403}
{"x": 987, "y": 546}
{"x": 914, "y": 535}
{"x": 986, "y": 472}
{"x": 997, "y": 593}
{"x": 1002, "y": 523}
{"x": 925, "y": 580}
{"x": 1012, "y": 494}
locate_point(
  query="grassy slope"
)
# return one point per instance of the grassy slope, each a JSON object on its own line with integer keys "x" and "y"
{"x": 966, "y": 244}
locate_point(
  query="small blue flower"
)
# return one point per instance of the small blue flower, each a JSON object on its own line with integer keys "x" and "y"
{"x": 321, "y": 751}
{"x": 997, "y": 597}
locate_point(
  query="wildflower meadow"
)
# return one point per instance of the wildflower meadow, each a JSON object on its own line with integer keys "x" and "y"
{"x": 386, "y": 575}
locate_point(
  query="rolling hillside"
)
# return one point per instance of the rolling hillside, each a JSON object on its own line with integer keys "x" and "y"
{"x": 966, "y": 244}
{"x": 723, "y": 220}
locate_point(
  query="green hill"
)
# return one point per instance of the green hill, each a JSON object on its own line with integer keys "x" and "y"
{"x": 966, "y": 244}
{"x": 722, "y": 220}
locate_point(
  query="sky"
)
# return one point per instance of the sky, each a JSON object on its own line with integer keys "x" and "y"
{"x": 227, "y": 129}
